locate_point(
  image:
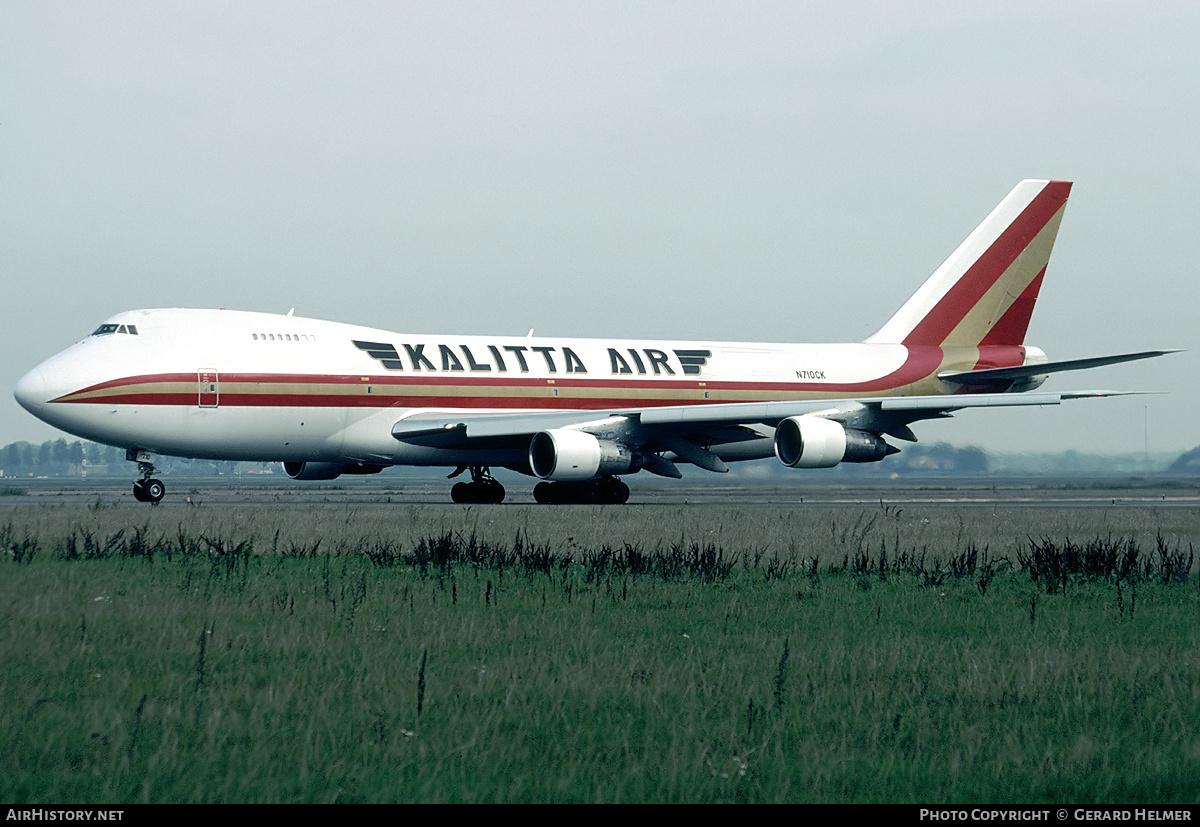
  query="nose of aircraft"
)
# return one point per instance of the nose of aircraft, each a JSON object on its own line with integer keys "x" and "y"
{"x": 31, "y": 391}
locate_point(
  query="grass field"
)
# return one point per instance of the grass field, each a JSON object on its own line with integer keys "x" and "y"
{"x": 624, "y": 654}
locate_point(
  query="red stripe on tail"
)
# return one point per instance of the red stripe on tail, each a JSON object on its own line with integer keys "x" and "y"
{"x": 953, "y": 307}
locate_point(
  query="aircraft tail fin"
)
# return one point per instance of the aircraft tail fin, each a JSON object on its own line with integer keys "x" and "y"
{"x": 984, "y": 293}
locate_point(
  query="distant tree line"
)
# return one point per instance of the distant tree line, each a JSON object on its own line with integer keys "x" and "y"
{"x": 54, "y": 458}
{"x": 1188, "y": 463}
{"x": 59, "y": 458}
{"x": 939, "y": 458}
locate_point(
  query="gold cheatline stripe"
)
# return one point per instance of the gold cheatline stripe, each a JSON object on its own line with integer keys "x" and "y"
{"x": 504, "y": 392}
{"x": 145, "y": 387}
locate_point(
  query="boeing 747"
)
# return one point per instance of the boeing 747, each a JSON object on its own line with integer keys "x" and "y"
{"x": 326, "y": 398}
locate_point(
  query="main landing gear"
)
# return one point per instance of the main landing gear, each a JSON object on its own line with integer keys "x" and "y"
{"x": 482, "y": 489}
{"x": 147, "y": 489}
{"x": 604, "y": 491}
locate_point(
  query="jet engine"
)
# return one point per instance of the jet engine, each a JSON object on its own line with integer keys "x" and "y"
{"x": 817, "y": 442}
{"x": 326, "y": 470}
{"x": 563, "y": 454}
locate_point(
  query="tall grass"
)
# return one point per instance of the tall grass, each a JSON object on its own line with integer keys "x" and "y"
{"x": 231, "y": 656}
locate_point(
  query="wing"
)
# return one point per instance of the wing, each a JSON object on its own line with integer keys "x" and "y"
{"x": 710, "y": 435}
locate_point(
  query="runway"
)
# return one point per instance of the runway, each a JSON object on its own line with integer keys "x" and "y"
{"x": 1164, "y": 492}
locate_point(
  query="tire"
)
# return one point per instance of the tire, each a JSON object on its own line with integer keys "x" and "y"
{"x": 155, "y": 491}
{"x": 493, "y": 492}
{"x": 618, "y": 493}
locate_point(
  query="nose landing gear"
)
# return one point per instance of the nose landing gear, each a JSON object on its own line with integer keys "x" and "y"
{"x": 147, "y": 489}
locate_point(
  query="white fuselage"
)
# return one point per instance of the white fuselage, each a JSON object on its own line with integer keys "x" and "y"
{"x": 253, "y": 386}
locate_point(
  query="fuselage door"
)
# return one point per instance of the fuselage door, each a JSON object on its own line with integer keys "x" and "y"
{"x": 210, "y": 390}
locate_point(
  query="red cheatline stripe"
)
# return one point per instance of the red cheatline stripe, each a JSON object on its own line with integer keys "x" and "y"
{"x": 989, "y": 267}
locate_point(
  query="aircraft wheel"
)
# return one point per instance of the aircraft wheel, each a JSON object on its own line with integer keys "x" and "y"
{"x": 586, "y": 492}
{"x": 612, "y": 491}
{"x": 155, "y": 491}
{"x": 139, "y": 491}
{"x": 493, "y": 492}
{"x": 483, "y": 493}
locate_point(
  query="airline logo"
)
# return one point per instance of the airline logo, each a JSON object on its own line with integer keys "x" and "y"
{"x": 503, "y": 358}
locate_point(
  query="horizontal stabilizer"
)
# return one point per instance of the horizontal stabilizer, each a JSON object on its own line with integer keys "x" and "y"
{"x": 993, "y": 375}
{"x": 989, "y": 400}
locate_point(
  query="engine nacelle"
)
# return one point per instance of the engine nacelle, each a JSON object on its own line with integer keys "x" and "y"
{"x": 563, "y": 454}
{"x": 817, "y": 442}
{"x": 326, "y": 470}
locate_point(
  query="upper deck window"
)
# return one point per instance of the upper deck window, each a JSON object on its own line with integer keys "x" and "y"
{"x": 280, "y": 337}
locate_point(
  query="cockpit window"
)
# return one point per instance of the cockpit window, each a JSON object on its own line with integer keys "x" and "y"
{"x": 105, "y": 329}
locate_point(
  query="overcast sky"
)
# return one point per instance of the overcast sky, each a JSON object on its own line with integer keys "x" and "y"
{"x": 778, "y": 171}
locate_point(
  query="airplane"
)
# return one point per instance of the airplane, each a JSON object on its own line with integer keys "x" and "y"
{"x": 327, "y": 398}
